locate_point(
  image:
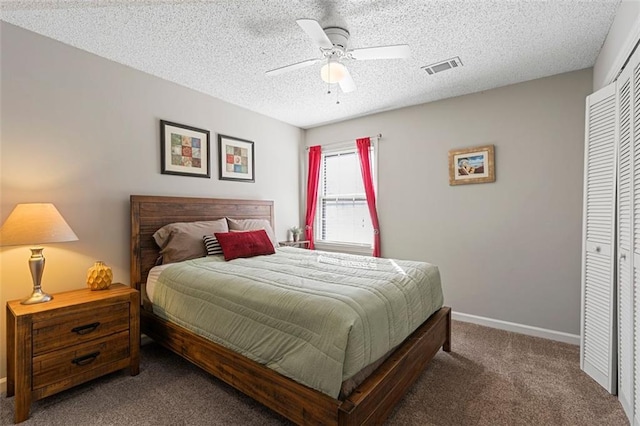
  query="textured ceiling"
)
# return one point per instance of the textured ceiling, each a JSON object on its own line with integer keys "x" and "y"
{"x": 224, "y": 47}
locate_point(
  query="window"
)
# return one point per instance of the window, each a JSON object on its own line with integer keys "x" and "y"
{"x": 342, "y": 215}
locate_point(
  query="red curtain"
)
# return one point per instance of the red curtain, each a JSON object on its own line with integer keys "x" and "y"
{"x": 315, "y": 153}
{"x": 365, "y": 167}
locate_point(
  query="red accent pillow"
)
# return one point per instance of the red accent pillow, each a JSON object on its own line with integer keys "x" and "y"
{"x": 244, "y": 244}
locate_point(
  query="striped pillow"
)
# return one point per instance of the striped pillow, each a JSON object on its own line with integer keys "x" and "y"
{"x": 212, "y": 245}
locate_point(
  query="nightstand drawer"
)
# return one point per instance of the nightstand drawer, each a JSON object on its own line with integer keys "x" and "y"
{"x": 62, "y": 365}
{"x": 80, "y": 326}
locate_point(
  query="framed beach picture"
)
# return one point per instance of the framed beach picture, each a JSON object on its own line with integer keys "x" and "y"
{"x": 472, "y": 165}
{"x": 236, "y": 159}
{"x": 184, "y": 150}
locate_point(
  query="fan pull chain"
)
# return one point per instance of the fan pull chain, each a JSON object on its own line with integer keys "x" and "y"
{"x": 337, "y": 97}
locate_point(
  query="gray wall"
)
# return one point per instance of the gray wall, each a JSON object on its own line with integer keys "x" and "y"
{"x": 83, "y": 132}
{"x": 508, "y": 250}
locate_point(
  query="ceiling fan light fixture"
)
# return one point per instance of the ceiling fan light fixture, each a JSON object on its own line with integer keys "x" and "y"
{"x": 333, "y": 72}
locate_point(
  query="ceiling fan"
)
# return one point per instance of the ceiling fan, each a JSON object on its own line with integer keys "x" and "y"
{"x": 333, "y": 44}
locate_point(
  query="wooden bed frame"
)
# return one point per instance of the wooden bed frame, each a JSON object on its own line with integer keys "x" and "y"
{"x": 370, "y": 403}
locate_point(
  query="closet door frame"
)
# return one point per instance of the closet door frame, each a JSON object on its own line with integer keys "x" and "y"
{"x": 634, "y": 67}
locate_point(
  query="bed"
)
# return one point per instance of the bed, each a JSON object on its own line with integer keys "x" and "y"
{"x": 371, "y": 402}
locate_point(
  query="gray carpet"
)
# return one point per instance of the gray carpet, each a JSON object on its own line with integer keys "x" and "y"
{"x": 491, "y": 377}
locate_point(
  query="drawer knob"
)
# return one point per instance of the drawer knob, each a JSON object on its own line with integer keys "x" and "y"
{"x": 85, "y": 329}
{"x": 86, "y": 359}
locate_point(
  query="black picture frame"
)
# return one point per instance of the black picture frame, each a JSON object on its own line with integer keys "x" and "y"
{"x": 236, "y": 158}
{"x": 184, "y": 150}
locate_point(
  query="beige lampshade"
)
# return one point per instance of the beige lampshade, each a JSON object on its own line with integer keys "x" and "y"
{"x": 33, "y": 224}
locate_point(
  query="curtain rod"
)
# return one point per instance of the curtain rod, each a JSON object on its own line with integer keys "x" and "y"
{"x": 379, "y": 135}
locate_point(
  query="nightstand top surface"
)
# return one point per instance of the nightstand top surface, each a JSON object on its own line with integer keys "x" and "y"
{"x": 70, "y": 298}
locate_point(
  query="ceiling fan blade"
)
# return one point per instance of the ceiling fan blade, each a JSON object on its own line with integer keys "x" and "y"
{"x": 347, "y": 84}
{"x": 292, "y": 67}
{"x": 315, "y": 31}
{"x": 382, "y": 52}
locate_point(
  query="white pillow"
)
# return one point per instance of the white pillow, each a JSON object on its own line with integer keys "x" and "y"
{"x": 252, "y": 224}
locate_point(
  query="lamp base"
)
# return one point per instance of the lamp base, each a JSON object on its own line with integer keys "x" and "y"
{"x": 36, "y": 265}
{"x": 38, "y": 296}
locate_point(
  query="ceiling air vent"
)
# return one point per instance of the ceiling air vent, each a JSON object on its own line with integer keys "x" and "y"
{"x": 443, "y": 65}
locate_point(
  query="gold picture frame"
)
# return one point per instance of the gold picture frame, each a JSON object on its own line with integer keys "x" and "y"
{"x": 472, "y": 165}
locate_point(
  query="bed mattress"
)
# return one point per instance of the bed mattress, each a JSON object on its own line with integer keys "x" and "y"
{"x": 315, "y": 317}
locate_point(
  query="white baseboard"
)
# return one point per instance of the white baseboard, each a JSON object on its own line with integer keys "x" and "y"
{"x": 559, "y": 336}
{"x": 145, "y": 340}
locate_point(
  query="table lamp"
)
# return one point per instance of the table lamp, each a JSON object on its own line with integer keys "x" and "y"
{"x": 34, "y": 224}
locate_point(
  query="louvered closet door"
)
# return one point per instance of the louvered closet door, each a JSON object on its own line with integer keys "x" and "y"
{"x": 635, "y": 288}
{"x": 597, "y": 349}
{"x": 625, "y": 241}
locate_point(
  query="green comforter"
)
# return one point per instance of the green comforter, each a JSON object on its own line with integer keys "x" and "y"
{"x": 315, "y": 317}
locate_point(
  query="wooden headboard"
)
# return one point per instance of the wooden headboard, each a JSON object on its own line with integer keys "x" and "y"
{"x": 150, "y": 213}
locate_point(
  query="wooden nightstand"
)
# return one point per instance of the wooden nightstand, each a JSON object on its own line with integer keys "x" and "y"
{"x": 78, "y": 336}
{"x": 302, "y": 244}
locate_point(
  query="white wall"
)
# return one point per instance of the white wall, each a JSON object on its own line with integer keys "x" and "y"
{"x": 622, "y": 37}
{"x": 508, "y": 250}
{"x": 83, "y": 132}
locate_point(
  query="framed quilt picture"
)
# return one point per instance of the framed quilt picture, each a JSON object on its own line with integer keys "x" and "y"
{"x": 236, "y": 159}
{"x": 184, "y": 150}
{"x": 472, "y": 165}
